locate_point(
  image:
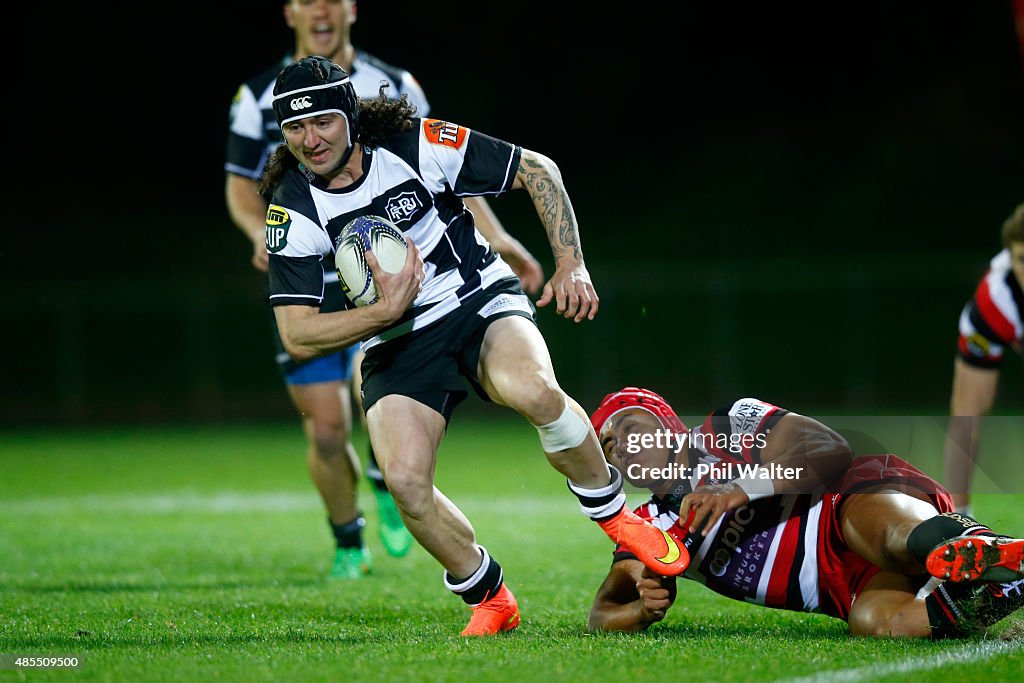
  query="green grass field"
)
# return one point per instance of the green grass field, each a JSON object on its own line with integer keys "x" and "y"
{"x": 198, "y": 554}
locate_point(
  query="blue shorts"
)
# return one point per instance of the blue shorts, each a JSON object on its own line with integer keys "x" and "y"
{"x": 336, "y": 367}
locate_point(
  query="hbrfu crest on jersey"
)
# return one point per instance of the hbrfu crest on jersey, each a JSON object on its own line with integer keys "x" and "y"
{"x": 444, "y": 133}
{"x": 403, "y": 206}
{"x": 278, "y": 222}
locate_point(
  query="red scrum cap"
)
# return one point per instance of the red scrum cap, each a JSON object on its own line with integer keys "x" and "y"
{"x": 634, "y": 397}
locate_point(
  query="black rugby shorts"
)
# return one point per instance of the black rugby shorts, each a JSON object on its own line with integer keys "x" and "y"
{"x": 433, "y": 365}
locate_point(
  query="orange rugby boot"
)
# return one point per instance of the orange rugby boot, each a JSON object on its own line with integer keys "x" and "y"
{"x": 494, "y": 615}
{"x": 658, "y": 550}
{"x": 978, "y": 558}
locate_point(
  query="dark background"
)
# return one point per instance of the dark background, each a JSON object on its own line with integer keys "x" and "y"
{"x": 786, "y": 200}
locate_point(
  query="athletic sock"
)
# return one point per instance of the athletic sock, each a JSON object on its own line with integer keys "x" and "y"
{"x": 603, "y": 503}
{"x": 483, "y": 583}
{"x": 373, "y": 473}
{"x": 349, "y": 534}
{"x": 935, "y": 531}
{"x": 963, "y": 609}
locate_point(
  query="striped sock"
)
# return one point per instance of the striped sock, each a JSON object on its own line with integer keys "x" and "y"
{"x": 603, "y": 503}
{"x": 482, "y": 584}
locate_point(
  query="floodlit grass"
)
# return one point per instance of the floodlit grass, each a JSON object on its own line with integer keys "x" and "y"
{"x": 199, "y": 553}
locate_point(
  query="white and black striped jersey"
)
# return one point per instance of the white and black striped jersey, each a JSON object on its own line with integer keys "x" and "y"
{"x": 994, "y": 317}
{"x": 416, "y": 179}
{"x": 254, "y": 134}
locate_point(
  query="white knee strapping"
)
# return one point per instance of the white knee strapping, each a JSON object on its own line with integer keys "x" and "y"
{"x": 568, "y": 431}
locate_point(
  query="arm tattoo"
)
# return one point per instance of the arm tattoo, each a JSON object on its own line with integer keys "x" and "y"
{"x": 552, "y": 204}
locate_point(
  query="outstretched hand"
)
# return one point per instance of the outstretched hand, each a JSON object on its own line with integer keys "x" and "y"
{"x": 573, "y": 293}
{"x": 704, "y": 507}
{"x": 397, "y": 291}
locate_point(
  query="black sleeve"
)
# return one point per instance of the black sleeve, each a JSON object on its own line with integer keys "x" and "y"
{"x": 489, "y": 167}
{"x": 296, "y": 280}
{"x": 245, "y": 156}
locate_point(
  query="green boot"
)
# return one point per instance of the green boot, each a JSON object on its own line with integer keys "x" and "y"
{"x": 393, "y": 535}
{"x": 350, "y": 563}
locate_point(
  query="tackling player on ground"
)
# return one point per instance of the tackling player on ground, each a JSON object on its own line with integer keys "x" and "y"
{"x": 869, "y": 539}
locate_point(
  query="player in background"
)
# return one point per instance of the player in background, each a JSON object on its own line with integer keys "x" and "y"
{"x": 469, "y": 320}
{"x": 991, "y": 322}
{"x": 320, "y": 389}
{"x": 869, "y": 539}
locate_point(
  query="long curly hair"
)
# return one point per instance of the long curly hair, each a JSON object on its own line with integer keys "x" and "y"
{"x": 379, "y": 117}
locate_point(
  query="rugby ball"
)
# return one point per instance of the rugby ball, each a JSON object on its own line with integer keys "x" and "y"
{"x": 362, "y": 234}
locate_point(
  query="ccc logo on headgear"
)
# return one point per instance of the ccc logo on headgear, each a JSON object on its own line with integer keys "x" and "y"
{"x": 301, "y": 103}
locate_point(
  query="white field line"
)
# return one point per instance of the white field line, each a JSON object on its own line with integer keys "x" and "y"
{"x": 969, "y": 653}
{"x": 235, "y": 502}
